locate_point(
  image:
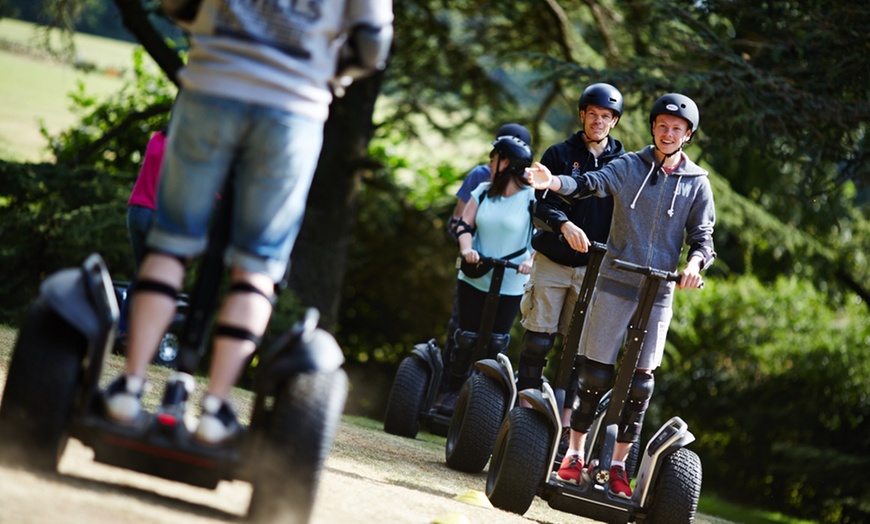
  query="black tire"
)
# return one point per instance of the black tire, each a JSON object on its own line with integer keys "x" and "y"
{"x": 519, "y": 460}
{"x": 42, "y": 384}
{"x": 296, "y": 437}
{"x": 405, "y": 402}
{"x": 475, "y": 424}
{"x": 674, "y": 498}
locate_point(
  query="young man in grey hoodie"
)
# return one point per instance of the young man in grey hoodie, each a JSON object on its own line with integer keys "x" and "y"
{"x": 660, "y": 198}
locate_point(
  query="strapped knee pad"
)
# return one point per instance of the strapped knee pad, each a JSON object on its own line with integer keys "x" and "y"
{"x": 537, "y": 345}
{"x": 244, "y": 287}
{"x": 240, "y": 333}
{"x": 155, "y": 286}
{"x": 530, "y": 369}
{"x": 498, "y": 343}
{"x": 595, "y": 379}
{"x": 225, "y": 330}
{"x": 642, "y": 385}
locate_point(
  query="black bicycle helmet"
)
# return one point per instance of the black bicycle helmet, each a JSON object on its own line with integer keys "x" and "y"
{"x": 516, "y": 151}
{"x": 516, "y": 130}
{"x": 602, "y": 95}
{"x": 677, "y": 105}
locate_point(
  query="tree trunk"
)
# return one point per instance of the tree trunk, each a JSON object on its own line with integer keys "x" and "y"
{"x": 319, "y": 257}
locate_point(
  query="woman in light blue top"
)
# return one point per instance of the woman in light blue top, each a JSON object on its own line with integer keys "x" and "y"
{"x": 496, "y": 223}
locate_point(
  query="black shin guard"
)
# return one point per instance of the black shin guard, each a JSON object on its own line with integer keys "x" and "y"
{"x": 630, "y": 426}
{"x": 594, "y": 380}
{"x": 530, "y": 372}
{"x": 460, "y": 366}
{"x": 530, "y": 369}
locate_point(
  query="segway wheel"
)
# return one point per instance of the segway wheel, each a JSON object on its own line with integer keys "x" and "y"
{"x": 474, "y": 427}
{"x": 519, "y": 460}
{"x": 42, "y": 384}
{"x": 405, "y": 402}
{"x": 677, "y": 489}
{"x": 294, "y": 440}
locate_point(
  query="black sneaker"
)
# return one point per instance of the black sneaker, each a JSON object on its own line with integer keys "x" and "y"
{"x": 218, "y": 423}
{"x": 123, "y": 399}
{"x": 173, "y": 408}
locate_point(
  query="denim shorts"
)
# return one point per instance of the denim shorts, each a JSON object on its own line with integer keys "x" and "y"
{"x": 272, "y": 155}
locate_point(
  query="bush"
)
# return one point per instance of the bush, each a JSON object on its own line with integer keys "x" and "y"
{"x": 773, "y": 381}
{"x": 52, "y": 218}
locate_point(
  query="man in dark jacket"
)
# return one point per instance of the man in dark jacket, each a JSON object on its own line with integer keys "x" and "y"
{"x": 559, "y": 267}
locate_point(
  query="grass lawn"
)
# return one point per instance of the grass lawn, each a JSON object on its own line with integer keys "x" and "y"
{"x": 34, "y": 87}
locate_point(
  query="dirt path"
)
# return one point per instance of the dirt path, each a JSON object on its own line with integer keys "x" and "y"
{"x": 370, "y": 477}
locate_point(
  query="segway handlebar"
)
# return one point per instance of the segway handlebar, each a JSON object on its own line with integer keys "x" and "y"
{"x": 498, "y": 262}
{"x": 649, "y": 271}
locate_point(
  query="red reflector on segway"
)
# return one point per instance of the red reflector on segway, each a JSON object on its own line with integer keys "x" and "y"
{"x": 165, "y": 419}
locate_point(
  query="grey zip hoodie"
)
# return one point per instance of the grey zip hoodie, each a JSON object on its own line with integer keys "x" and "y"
{"x": 653, "y": 212}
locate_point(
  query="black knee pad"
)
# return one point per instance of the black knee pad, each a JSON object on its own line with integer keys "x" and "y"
{"x": 460, "y": 363}
{"x": 530, "y": 369}
{"x": 537, "y": 345}
{"x": 595, "y": 378}
{"x": 642, "y": 385}
{"x": 498, "y": 343}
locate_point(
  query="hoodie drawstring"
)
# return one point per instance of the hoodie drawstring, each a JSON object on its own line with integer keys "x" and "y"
{"x": 653, "y": 168}
{"x": 674, "y": 199}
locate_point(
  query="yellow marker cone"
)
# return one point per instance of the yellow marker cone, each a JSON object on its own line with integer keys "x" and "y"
{"x": 475, "y": 498}
{"x": 452, "y": 518}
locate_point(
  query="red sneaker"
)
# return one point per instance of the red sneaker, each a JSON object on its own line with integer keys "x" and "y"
{"x": 619, "y": 482}
{"x": 571, "y": 469}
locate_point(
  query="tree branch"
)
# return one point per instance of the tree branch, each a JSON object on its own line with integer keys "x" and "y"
{"x": 135, "y": 19}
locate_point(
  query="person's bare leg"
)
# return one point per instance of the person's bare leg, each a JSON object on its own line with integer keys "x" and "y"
{"x": 248, "y": 311}
{"x": 151, "y": 313}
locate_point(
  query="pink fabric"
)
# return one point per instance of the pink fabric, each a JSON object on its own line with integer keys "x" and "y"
{"x": 145, "y": 190}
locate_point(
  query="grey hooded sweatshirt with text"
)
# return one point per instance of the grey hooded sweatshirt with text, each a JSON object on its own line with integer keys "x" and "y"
{"x": 653, "y": 212}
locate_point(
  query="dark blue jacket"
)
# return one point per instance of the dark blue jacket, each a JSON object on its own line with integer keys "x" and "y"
{"x": 592, "y": 215}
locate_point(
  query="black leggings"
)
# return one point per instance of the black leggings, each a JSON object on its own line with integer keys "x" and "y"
{"x": 471, "y": 301}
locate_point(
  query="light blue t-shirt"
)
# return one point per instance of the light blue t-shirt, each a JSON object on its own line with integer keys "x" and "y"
{"x": 504, "y": 226}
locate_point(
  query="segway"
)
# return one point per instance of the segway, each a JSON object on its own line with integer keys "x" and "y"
{"x": 411, "y": 403}
{"x": 52, "y": 392}
{"x": 669, "y": 480}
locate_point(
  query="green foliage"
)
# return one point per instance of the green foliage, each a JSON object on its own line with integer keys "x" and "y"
{"x": 51, "y": 218}
{"x": 773, "y": 381}
{"x": 112, "y": 133}
{"x": 398, "y": 288}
